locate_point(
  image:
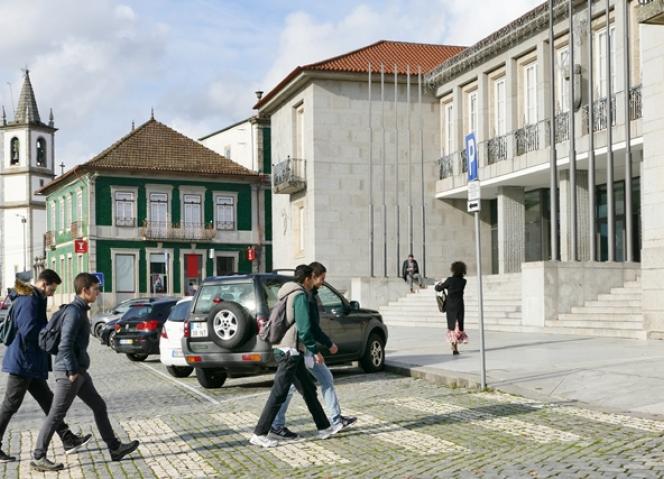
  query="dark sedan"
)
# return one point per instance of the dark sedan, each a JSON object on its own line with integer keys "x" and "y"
{"x": 137, "y": 333}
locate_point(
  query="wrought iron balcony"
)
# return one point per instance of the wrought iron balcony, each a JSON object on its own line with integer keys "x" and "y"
{"x": 446, "y": 164}
{"x": 124, "y": 221}
{"x": 527, "y": 139}
{"x": 49, "y": 240}
{"x": 463, "y": 161}
{"x": 157, "y": 230}
{"x": 497, "y": 149}
{"x": 562, "y": 126}
{"x": 635, "y": 111}
{"x": 77, "y": 229}
{"x": 601, "y": 114}
{"x": 289, "y": 176}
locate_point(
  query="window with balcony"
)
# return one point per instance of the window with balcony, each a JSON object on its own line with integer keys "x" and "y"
{"x": 125, "y": 208}
{"x": 224, "y": 212}
{"x": 61, "y": 216}
{"x": 51, "y": 217}
{"x": 473, "y": 113}
{"x": 499, "y": 108}
{"x": 68, "y": 212}
{"x": 158, "y": 211}
{"x": 530, "y": 93}
{"x": 562, "y": 79}
{"x": 79, "y": 206}
{"x": 601, "y": 59}
{"x": 193, "y": 213}
{"x": 448, "y": 128}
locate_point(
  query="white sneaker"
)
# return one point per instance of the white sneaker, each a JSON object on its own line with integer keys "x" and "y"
{"x": 263, "y": 441}
{"x": 333, "y": 429}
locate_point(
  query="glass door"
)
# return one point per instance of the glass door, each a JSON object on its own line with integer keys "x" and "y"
{"x": 159, "y": 214}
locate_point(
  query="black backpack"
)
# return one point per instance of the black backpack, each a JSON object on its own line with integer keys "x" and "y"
{"x": 49, "y": 336}
{"x": 8, "y": 327}
{"x": 275, "y": 329}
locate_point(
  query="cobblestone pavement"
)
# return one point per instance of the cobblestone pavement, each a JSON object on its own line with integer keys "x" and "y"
{"x": 407, "y": 428}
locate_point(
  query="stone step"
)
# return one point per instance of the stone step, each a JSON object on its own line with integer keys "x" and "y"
{"x": 598, "y": 325}
{"x": 487, "y": 326}
{"x": 634, "y": 303}
{"x": 603, "y": 332}
{"x": 600, "y": 317}
{"x": 432, "y": 306}
{"x": 619, "y": 297}
{"x": 609, "y": 309}
{"x": 434, "y": 317}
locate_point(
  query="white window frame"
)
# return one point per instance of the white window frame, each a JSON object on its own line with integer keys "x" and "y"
{"x": 125, "y": 252}
{"x": 52, "y": 217}
{"x": 79, "y": 205}
{"x": 298, "y": 131}
{"x": 600, "y": 61}
{"x": 192, "y": 199}
{"x": 61, "y": 216}
{"x": 448, "y": 127}
{"x": 68, "y": 212}
{"x": 500, "y": 104}
{"x": 169, "y": 268}
{"x": 562, "y": 84}
{"x": 219, "y": 223}
{"x": 124, "y": 198}
{"x": 473, "y": 112}
{"x": 530, "y": 93}
{"x": 301, "y": 221}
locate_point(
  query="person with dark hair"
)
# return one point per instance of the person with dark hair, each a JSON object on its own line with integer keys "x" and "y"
{"x": 26, "y": 363}
{"x": 72, "y": 379}
{"x": 410, "y": 271}
{"x": 291, "y": 368}
{"x": 320, "y": 371}
{"x": 454, "y": 285}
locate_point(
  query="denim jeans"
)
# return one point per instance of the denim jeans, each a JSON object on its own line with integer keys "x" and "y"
{"x": 324, "y": 378}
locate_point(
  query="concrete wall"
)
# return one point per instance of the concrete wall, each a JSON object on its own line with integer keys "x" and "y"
{"x": 551, "y": 288}
{"x": 241, "y": 141}
{"x": 373, "y": 293}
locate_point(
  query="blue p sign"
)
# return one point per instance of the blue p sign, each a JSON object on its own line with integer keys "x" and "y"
{"x": 472, "y": 156}
{"x": 100, "y": 278}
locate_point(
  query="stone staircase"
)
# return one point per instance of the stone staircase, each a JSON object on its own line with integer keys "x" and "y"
{"x": 502, "y": 306}
{"x": 616, "y": 314}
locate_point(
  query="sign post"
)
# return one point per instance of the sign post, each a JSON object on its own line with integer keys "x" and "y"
{"x": 474, "y": 204}
{"x": 100, "y": 278}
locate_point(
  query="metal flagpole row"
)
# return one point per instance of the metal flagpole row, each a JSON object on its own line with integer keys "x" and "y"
{"x": 610, "y": 210}
{"x": 371, "y": 205}
{"x": 591, "y": 137}
{"x": 628, "y": 139}
{"x": 572, "y": 140}
{"x": 396, "y": 174}
{"x": 410, "y": 166}
{"x": 382, "y": 154}
{"x": 424, "y": 235}
{"x": 553, "y": 167}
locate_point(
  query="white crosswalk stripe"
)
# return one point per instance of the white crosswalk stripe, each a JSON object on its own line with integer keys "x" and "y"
{"x": 508, "y": 425}
{"x": 623, "y": 420}
{"x": 158, "y": 439}
{"x": 413, "y": 441}
{"x": 295, "y": 453}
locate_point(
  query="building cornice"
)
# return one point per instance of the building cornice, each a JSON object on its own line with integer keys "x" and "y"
{"x": 515, "y": 33}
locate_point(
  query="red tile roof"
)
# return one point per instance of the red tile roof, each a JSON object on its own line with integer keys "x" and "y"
{"x": 387, "y": 53}
{"x": 155, "y": 149}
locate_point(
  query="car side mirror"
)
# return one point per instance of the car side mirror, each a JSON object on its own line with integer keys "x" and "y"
{"x": 354, "y": 306}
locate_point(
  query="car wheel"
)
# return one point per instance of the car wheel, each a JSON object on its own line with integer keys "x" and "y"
{"x": 229, "y": 324}
{"x": 210, "y": 378}
{"x": 97, "y": 329}
{"x": 179, "y": 371}
{"x": 137, "y": 357}
{"x": 111, "y": 340}
{"x": 374, "y": 355}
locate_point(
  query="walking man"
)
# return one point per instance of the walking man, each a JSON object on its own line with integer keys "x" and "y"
{"x": 26, "y": 363}
{"x": 72, "y": 379}
{"x": 320, "y": 371}
{"x": 411, "y": 271}
{"x": 290, "y": 358}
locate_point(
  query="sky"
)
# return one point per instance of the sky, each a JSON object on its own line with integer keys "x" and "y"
{"x": 101, "y": 64}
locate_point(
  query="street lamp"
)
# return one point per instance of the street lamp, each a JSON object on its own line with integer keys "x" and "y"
{"x": 24, "y": 220}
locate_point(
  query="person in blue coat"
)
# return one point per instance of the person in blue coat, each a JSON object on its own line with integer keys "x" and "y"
{"x": 27, "y": 364}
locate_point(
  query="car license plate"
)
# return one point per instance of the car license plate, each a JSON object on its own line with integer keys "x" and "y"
{"x": 176, "y": 354}
{"x": 126, "y": 341}
{"x": 199, "y": 330}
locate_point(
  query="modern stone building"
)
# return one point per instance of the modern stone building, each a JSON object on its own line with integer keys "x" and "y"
{"x": 500, "y": 89}
{"x": 156, "y": 212}
{"x": 345, "y": 150}
{"x": 26, "y": 164}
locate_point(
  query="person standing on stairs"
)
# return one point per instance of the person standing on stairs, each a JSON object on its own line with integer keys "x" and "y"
{"x": 454, "y": 286}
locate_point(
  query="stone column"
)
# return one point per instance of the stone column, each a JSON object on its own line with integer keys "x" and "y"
{"x": 583, "y": 220}
{"x": 511, "y": 229}
{"x": 652, "y": 180}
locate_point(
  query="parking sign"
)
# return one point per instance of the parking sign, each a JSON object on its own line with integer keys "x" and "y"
{"x": 100, "y": 277}
{"x": 472, "y": 156}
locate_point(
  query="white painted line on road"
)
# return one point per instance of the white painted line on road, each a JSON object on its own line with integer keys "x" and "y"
{"x": 623, "y": 420}
{"x": 296, "y": 454}
{"x": 415, "y": 442}
{"x": 508, "y": 425}
{"x": 165, "y": 452}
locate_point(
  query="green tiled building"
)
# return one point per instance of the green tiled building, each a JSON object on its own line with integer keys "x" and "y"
{"x": 156, "y": 213}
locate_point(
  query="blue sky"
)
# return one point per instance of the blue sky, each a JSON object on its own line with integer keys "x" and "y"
{"x": 101, "y": 64}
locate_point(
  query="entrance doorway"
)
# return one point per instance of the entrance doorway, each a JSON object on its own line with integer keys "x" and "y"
{"x": 602, "y": 232}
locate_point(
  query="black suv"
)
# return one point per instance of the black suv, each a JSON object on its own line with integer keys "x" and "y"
{"x": 137, "y": 333}
{"x": 220, "y": 334}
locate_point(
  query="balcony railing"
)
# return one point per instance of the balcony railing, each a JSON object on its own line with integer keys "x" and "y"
{"x": 49, "y": 240}
{"x": 446, "y": 164}
{"x": 527, "y": 139}
{"x": 156, "y": 230}
{"x": 601, "y": 114}
{"x": 288, "y": 176}
{"x": 635, "y": 111}
{"x": 123, "y": 221}
{"x": 77, "y": 229}
{"x": 497, "y": 149}
{"x": 562, "y": 126}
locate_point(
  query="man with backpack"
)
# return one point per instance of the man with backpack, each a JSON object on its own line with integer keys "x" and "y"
{"x": 320, "y": 371}
{"x": 26, "y": 364}
{"x": 289, "y": 354}
{"x": 72, "y": 378}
